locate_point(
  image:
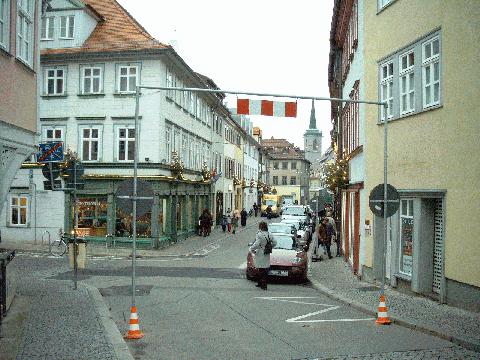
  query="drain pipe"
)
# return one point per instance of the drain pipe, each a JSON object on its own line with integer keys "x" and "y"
{"x": 33, "y": 189}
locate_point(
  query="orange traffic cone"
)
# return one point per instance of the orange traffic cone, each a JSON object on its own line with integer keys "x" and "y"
{"x": 382, "y": 316}
{"x": 134, "y": 329}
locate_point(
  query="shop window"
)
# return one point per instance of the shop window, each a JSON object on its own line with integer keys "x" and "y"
{"x": 406, "y": 236}
{"x": 92, "y": 216}
{"x": 124, "y": 227}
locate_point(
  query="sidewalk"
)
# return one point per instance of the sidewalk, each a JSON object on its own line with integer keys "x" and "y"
{"x": 191, "y": 246}
{"x": 50, "y": 320}
{"x": 334, "y": 278}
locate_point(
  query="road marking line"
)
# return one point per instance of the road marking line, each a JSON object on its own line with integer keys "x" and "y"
{"x": 284, "y": 298}
{"x": 298, "y": 319}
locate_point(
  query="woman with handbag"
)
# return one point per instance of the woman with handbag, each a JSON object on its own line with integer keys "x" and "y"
{"x": 262, "y": 247}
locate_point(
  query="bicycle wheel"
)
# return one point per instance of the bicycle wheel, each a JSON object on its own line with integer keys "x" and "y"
{"x": 58, "y": 248}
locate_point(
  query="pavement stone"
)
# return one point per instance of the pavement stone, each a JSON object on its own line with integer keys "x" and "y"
{"x": 454, "y": 352}
{"x": 335, "y": 278}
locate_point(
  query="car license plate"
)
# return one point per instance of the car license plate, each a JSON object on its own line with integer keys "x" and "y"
{"x": 278, "y": 272}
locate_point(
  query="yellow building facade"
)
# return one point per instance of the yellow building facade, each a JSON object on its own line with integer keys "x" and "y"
{"x": 422, "y": 58}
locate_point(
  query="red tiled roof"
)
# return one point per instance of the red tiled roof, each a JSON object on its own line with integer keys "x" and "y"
{"x": 119, "y": 31}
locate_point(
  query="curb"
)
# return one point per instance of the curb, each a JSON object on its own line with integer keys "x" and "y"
{"x": 112, "y": 333}
{"x": 468, "y": 344}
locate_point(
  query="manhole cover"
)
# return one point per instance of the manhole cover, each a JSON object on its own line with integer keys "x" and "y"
{"x": 369, "y": 288}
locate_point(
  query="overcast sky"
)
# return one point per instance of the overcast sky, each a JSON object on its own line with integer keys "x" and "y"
{"x": 270, "y": 46}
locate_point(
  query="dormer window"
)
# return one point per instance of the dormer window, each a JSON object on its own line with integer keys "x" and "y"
{"x": 47, "y": 28}
{"x": 67, "y": 24}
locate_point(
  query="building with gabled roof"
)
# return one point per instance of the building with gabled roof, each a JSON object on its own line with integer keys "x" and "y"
{"x": 288, "y": 171}
{"x": 93, "y": 55}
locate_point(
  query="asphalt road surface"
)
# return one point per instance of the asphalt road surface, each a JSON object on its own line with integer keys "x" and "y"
{"x": 203, "y": 307}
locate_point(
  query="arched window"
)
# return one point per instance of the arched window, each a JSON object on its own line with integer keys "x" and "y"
{"x": 315, "y": 144}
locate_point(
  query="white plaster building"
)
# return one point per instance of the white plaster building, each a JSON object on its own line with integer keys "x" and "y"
{"x": 93, "y": 56}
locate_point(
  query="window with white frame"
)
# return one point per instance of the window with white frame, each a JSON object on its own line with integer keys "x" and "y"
{"x": 53, "y": 133}
{"x": 92, "y": 80}
{"x": 4, "y": 23}
{"x": 168, "y": 143}
{"x": 386, "y": 88}
{"x": 25, "y": 30}
{"x": 91, "y": 138}
{"x": 383, "y": 3}
{"x": 406, "y": 236}
{"x": 185, "y": 150}
{"x": 169, "y": 83}
{"x": 48, "y": 27}
{"x": 431, "y": 72}
{"x": 177, "y": 142}
{"x": 126, "y": 143}
{"x": 192, "y": 103}
{"x": 55, "y": 81}
{"x": 191, "y": 154}
{"x": 19, "y": 208}
{"x": 67, "y": 24}
{"x": 413, "y": 83}
{"x": 127, "y": 78}
{"x": 407, "y": 82}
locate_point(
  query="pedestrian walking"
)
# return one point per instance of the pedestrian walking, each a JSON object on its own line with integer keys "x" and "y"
{"x": 325, "y": 231}
{"x": 335, "y": 238}
{"x": 268, "y": 210}
{"x": 205, "y": 222}
{"x": 224, "y": 223}
{"x": 262, "y": 257}
{"x": 229, "y": 223}
{"x": 255, "y": 209}
{"x": 208, "y": 222}
{"x": 235, "y": 217}
{"x": 243, "y": 216}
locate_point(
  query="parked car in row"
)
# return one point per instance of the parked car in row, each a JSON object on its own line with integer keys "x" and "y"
{"x": 287, "y": 260}
{"x": 302, "y": 233}
{"x": 282, "y": 228}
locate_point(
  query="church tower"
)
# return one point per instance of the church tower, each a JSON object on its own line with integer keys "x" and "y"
{"x": 313, "y": 141}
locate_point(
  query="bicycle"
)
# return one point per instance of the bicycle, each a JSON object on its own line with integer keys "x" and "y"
{"x": 58, "y": 247}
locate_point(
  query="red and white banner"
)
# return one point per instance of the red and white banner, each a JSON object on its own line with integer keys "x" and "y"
{"x": 266, "y": 107}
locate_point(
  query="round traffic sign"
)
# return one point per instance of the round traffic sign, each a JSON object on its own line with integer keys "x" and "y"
{"x": 376, "y": 200}
{"x": 51, "y": 170}
{"x": 125, "y": 192}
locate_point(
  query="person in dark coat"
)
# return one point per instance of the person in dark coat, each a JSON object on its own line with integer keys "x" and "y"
{"x": 255, "y": 209}
{"x": 325, "y": 233}
{"x": 268, "y": 210}
{"x": 243, "y": 217}
{"x": 224, "y": 223}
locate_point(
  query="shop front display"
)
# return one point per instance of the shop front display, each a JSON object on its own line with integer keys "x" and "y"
{"x": 406, "y": 237}
{"x": 92, "y": 216}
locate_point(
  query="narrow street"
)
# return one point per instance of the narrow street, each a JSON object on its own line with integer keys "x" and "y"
{"x": 203, "y": 307}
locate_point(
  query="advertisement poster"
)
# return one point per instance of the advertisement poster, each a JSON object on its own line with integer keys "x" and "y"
{"x": 407, "y": 246}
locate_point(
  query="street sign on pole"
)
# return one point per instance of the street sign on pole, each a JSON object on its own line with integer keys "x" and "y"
{"x": 50, "y": 151}
{"x": 376, "y": 200}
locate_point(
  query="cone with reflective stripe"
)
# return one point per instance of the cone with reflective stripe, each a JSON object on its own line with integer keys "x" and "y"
{"x": 382, "y": 316}
{"x": 134, "y": 329}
